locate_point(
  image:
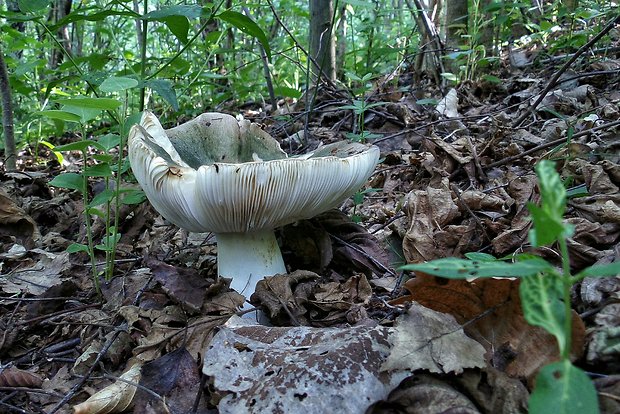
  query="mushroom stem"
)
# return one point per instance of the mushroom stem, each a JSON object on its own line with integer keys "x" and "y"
{"x": 247, "y": 258}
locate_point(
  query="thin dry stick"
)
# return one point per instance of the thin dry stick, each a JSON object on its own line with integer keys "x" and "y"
{"x": 563, "y": 69}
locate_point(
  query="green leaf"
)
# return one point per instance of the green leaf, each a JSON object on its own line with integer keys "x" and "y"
{"x": 102, "y": 157}
{"x": 484, "y": 257}
{"x": 454, "y": 268}
{"x": 117, "y": 84}
{"x": 286, "y": 91}
{"x": 164, "y": 88}
{"x": 98, "y": 170}
{"x": 548, "y": 218}
{"x": 62, "y": 115}
{"x": 77, "y": 146}
{"x": 30, "y": 6}
{"x": 103, "y": 197}
{"x": 246, "y": 25}
{"x": 605, "y": 270}
{"x": 93, "y": 103}
{"x": 132, "y": 196}
{"x": 541, "y": 299}
{"x": 547, "y": 228}
{"x": 427, "y": 101}
{"x": 109, "y": 241}
{"x": 109, "y": 141}
{"x": 72, "y": 181}
{"x": 562, "y": 388}
{"x": 176, "y": 18}
{"x": 85, "y": 114}
{"x": 77, "y": 247}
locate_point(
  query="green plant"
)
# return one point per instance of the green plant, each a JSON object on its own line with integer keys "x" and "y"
{"x": 100, "y": 162}
{"x": 544, "y": 292}
{"x": 359, "y": 107}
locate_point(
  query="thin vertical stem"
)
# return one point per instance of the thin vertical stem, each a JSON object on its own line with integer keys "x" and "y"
{"x": 566, "y": 287}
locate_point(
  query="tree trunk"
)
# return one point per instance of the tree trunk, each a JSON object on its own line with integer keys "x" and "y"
{"x": 341, "y": 44}
{"x": 322, "y": 44}
{"x": 456, "y": 24}
{"x": 10, "y": 152}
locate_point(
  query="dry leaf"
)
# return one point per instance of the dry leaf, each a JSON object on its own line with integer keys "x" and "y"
{"x": 15, "y": 377}
{"x": 425, "y": 339}
{"x": 259, "y": 369}
{"x": 114, "y": 398}
{"x": 428, "y": 212}
{"x": 175, "y": 377}
{"x": 490, "y": 310}
{"x": 15, "y": 222}
{"x": 425, "y": 394}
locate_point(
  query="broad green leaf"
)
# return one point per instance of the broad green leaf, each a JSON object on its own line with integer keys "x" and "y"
{"x": 484, "y": 257}
{"x": 76, "y": 16}
{"x": 109, "y": 141}
{"x": 85, "y": 114}
{"x": 164, "y": 88}
{"x": 77, "y": 146}
{"x": 547, "y": 228}
{"x": 604, "y": 270}
{"x": 548, "y": 217}
{"x": 93, "y": 103}
{"x": 562, "y": 388}
{"x": 72, "y": 181}
{"x": 246, "y": 25}
{"x": 117, "y": 84}
{"x": 98, "y": 170}
{"x": 132, "y": 196}
{"x": 77, "y": 247}
{"x": 102, "y": 157}
{"x": 30, "y": 6}
{"x": 103, "y": 197}
{"x": 62, "y": 115}
{"x": 176, "y": 18}
{"x": 189, "y": 11}
{"x": 109, "y": 241}
{"x": 454, "y": 268}
{"x": 286, "y": 91}
{"x": 541, "y": 299}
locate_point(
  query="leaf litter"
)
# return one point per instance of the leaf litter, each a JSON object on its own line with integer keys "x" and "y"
{"x": 455, "y": 178}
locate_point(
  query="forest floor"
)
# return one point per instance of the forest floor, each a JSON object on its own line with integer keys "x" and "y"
{"x": 352, "y": 332}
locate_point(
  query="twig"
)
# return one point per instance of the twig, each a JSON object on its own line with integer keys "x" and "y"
{"x": 360, "y": 251}
{"x": 563, "y": 69}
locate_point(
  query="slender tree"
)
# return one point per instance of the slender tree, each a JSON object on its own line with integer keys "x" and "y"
{"x": 10, "y": 152}
{"x": 322, "y": 42}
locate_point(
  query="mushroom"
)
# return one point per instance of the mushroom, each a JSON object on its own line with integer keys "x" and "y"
{"x": 214, "y": 174}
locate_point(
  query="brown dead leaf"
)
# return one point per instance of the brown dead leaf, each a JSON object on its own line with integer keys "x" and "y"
{"x": 430, "y": 340}
{"x": 48, "y": 271}
{"x": 279, "y": 295}
{"x": 114, "y": 398}
{"x": 490, "y": 310}
{"x": 15, "y": 377}
{"x": 426, "y": 394}
{"x": 14, "y": 222}
{"x": 428, "y": 212}
{"x": 175, "y": 377}
{"x": 333, "y": 239}
{"x": 185, "y": 286}
{"x": 494, "y": 391}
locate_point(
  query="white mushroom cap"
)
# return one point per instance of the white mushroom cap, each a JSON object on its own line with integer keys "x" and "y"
{"x": 227, "y": 195}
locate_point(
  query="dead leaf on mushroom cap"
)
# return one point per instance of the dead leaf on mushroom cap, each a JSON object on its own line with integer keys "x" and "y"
{"x": 490, "y": 311}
